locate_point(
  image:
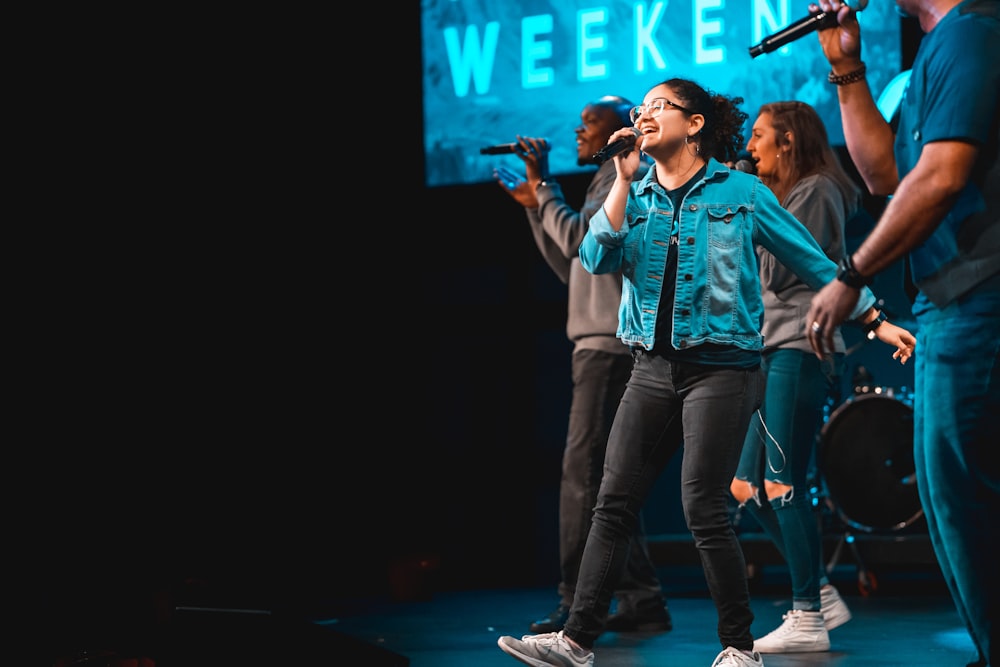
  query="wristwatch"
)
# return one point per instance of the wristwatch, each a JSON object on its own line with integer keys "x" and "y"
{"x": 548, "y": 181}
{"x": 847, "y": 274}
{"x": 874, "y": 324}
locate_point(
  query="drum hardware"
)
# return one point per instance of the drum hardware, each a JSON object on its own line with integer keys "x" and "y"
{"x": 867, "y": 581}
{"x": 866, "y": 459}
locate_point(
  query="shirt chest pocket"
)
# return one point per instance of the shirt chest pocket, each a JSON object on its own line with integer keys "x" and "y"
{"x": 726, "y": 224}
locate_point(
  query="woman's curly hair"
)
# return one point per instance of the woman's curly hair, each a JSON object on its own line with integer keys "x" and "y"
{"x": 722, "y": 135}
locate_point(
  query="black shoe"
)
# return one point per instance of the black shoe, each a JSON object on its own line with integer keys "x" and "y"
{"x": 554, "y": 622}
{"x": 656, "y": 619}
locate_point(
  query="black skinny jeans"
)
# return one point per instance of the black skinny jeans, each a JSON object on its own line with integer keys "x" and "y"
{"x": 667, "y": 405}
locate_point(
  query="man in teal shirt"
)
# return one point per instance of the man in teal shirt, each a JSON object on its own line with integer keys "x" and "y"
{"x": 941, "y": 168}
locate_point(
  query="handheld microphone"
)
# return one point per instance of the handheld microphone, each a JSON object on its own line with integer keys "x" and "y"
{"x": 746, "y": 166}
{"x": 817, "y": 21}
{"x": 499, "y": 149}
{"x": 617, "y": 146}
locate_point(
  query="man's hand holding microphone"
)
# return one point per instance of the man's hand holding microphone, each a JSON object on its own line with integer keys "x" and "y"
{"x": 534, "y": 152}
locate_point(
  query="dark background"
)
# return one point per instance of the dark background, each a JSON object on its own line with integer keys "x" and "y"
{"x": 284, "y": 415}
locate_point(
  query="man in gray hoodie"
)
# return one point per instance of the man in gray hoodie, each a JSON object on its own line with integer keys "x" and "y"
{"x": 601, "y": 363}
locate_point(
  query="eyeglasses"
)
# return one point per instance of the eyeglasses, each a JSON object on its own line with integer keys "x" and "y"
{"x": 654, "y": 108}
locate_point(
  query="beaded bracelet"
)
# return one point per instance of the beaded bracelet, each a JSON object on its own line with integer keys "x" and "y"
{"x": 850, "y": 77}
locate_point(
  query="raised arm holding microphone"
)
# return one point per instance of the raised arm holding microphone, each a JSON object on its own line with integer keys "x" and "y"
{"x": 942, "y": 168}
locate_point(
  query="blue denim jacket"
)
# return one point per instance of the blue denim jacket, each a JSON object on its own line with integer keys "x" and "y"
{"x": 718, "y": 293}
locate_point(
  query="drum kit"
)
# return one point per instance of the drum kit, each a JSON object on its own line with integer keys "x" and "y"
{"x": 865, "y": 458}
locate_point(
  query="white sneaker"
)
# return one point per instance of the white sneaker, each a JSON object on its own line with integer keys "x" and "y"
{"x": 802, "y": 632}
{"x": 733, "y": 657}
{"x": 544, "y": 650}
{"x": 835, "y": 611}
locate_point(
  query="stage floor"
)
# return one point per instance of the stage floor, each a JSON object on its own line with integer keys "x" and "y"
{"x": 902, "y": 615}
{"x": 911, "y": 621}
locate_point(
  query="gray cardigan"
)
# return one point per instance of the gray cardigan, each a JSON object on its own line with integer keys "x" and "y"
{"x": 819, "y": 204}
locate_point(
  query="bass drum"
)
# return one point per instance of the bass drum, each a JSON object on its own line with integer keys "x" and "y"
{"x": 866, "y": 458}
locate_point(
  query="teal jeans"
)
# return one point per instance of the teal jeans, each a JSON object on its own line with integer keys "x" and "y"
{"x": 957, "y": 451}
{"x": 779, "y": 448}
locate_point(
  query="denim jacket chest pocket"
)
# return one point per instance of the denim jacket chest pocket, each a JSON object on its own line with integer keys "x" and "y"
{"x": 726, "y": 224}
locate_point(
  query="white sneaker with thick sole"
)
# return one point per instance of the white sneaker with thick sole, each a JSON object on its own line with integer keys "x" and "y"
{"x": 733, "y": 657}
{"x": 544, "y": 650}
{"x": 801, "y": 632}
{"x": 835, "y": 611}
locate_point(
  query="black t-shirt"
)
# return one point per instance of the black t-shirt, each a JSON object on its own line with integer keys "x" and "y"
{"x": 707, "y": 353}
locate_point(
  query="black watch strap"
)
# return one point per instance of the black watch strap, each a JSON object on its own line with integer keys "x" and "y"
{"x": 847, "y": 274}
{"x": 873, "y": 325}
